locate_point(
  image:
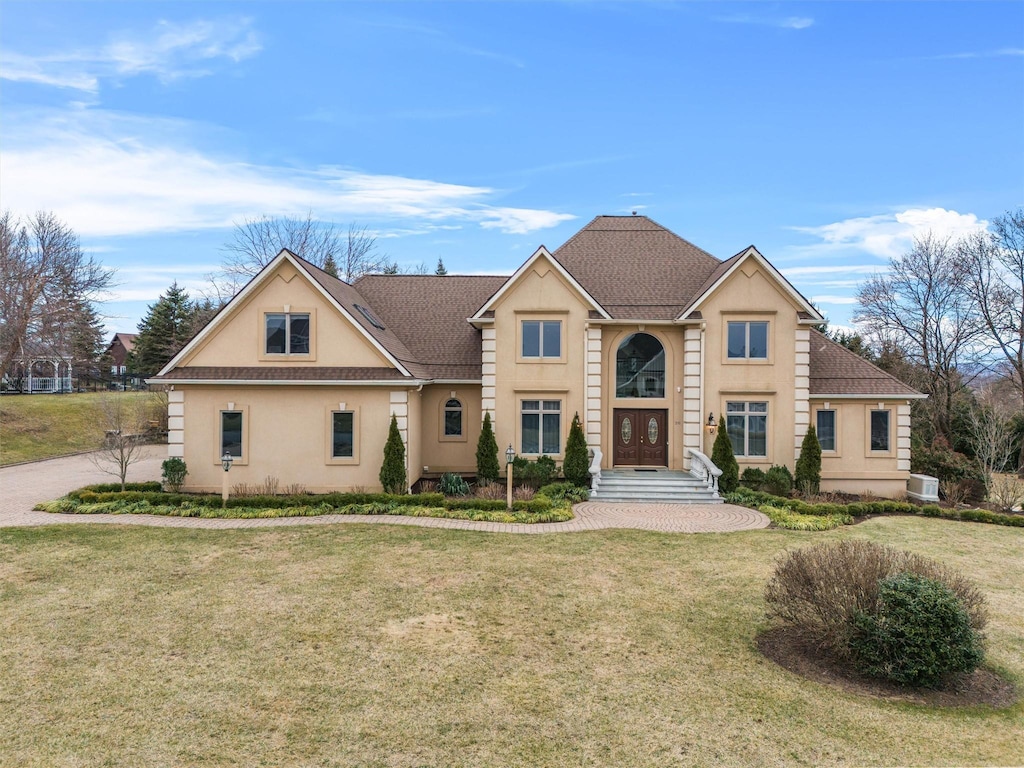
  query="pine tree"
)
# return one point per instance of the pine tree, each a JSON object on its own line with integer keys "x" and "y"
{"x": 808, "y": 466}
{"x": 440, "y": 268}
{"x": 392, "y": 471}
{"x": 330, "y": 266}
{"x": 576, "y": 465}
{"x": 487, "y": 466}
{"x": 723, "y": 458}
{"x": 164, "y": 330}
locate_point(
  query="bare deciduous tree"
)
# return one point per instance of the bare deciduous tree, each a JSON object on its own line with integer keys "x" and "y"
{"x": 922, "y": 308}
{"x": 45, "y": 282}
{"x": 256, "y": 242}
{"x": 125, "y": 420}
{"x": 992, "y": 434}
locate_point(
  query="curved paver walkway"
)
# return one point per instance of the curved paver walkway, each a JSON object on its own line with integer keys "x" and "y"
{"x": 21, "y": 487}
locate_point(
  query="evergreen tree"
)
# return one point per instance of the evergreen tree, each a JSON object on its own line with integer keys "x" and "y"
{"x": 330, "y": 266}
{"x": 164, "y": 330}
{"x": 576, "y": 465}
{"x": 723, "y": 458}
{"x": 440, "y": 268}
{"x": 808, "y": 466}
{"x": 392, "y": 471}
{"x": 487, "y": 466}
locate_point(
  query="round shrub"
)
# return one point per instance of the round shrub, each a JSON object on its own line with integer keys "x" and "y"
{"x": 778, "y": 480}
{"x": 819, "y": 590}
{"x": 174, "y": 472}
{"x": 918, "y": 633}
{"x": 752, "y": 478}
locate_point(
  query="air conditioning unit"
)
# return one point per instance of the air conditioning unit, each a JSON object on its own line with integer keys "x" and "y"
{"x": 923, "y": 488}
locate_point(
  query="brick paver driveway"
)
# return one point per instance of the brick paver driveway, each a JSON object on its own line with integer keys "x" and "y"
{"x": 21, "y": 487}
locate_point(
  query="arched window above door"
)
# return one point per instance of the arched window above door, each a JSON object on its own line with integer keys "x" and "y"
{"x": 640, "y": 367}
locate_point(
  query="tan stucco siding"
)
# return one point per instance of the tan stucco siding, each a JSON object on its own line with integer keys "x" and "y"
{"x": 540, "y": 294}
{"x": 751, "y": 295}
{"x": 442, "y": 453}
{"x": 239, "y": 339}
{"x": 286, "y": 434}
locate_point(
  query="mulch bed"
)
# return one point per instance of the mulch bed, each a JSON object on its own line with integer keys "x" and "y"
{"x": 790, "y": 650}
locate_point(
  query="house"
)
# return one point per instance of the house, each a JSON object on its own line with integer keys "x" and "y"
{"x": 120, "y": 347}
{"x": 650, "y": 339}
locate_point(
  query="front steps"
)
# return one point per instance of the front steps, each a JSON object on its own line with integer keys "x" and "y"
{"x": 658, "y": 486}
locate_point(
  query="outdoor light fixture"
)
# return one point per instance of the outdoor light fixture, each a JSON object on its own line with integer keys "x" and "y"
{"x": 225, "y": 461}
{"x": 510, "y": 456}
{"x": 712, "y": 427}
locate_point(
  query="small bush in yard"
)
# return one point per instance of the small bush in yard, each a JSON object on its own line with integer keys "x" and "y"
{"x": 917, "y": 634}
{"x": 174, "y": 472}
{"x": 576, "y": 464}
{"x": 778, "y": 480}
{"x": 451, "y": 484}
{"x": 752, "y": 478}
{"x": 392, "y": 470}
{"x": 723, "y": 458}
{"x": 819, "y": 590}
{"x": 808, "y": 466}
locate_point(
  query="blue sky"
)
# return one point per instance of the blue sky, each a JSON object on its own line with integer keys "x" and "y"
{"x": 826, "y": 134}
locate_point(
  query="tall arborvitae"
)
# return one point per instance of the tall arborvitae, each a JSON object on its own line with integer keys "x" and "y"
{"x": 725, "y": 460}
{"x": 487, "y": 466}
{"x": 392, "y": 471}
{"x": 808, "y": 466}
{"x": 576, "y": 464}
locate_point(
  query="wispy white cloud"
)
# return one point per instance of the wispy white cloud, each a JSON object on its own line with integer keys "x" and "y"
{"x": 994, "y": 54}
{"x": 855, "y": 269}
{"x": 118, "y": 176}
{"x": 786, "y": 22}
{"x": 891, "y": 234}
{"x": 169, "y": 52}
{"x": 832, "y": 299}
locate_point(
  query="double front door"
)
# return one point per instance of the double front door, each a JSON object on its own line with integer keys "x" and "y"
{"x": 640, "y": 438}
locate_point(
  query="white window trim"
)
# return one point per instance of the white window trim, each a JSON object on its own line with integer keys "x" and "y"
{"x": 541, "y": 359}
{"x": 835, "y": 452}
{"x": 218, "y": 442}
{"x": 442, "y": 413}
{"x": 726, "y": 413}
{"x": 329, "y": 457}
{"x": 287, "y": 311}
{"x": 541, "y": 399}
{"x": 868, "y": 450}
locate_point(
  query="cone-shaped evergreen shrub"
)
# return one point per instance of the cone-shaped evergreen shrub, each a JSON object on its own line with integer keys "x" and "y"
{"x": 576, "y": 465}
{"x": 487, "y": 466}
{"x": 723, "y": 458}
{"x": 392, "y": 471}
{"x": 808, "y": 466}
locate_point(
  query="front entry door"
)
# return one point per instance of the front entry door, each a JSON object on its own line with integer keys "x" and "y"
{"x": 640, "y": 438}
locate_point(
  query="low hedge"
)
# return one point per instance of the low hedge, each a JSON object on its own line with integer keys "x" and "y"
{"x": 759, "y": 499}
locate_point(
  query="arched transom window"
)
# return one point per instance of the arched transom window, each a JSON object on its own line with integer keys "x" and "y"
{"x": 640, "y": 367}
{"x": 453, "y": 418}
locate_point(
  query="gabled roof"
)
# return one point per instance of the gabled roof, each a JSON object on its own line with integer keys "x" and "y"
{"x": 635, "y": 268}
{"x": 127, "y": 340}
{"x": 837, "y": 371}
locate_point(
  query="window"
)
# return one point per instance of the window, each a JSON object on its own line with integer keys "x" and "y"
{"x": 231, "y": 433}
{"x": 640, "y": 367}
{"x": 826, "y": 429}
{"x": 879, "y": 430}
{"x": 747, "y": 427}
{"x": 542, "y": 338}
{"x": 748, "y": 340}
{"x": 342, "y": 434}
{"x": 453, "y": 418}
{"x": 541, "y": 426}
{"x": 287, "y": 333}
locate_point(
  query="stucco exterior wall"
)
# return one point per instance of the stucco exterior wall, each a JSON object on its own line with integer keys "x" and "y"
{"x": 540, "y": 294}
{"x": 449, "y": 454}
{"x": 240, "y": 341}
{"x": 286, "y": 434}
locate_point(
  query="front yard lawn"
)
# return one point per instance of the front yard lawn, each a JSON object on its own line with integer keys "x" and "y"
{"x": 395, "y": 646}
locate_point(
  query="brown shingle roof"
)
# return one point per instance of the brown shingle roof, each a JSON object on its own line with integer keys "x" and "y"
{"x": 635, "y": 268}
{"x": 835, "y": 370}
{"x": 278, "y": 373}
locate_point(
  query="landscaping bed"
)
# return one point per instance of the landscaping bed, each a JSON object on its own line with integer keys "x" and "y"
{"x": 149, "y": 499}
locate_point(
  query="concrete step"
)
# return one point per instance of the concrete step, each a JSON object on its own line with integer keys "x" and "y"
{"x": 659, "y": 486}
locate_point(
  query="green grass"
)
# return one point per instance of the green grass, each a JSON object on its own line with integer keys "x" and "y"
{"x": 43, "y": 426}
{"x": 395, "y": 646}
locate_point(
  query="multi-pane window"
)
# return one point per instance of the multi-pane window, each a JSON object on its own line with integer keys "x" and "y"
{"x": 826, "y": 428}
{"x": 748, "y": 340}
{"x": 231, "y": 433}
{"x": 342, "y": 434}
{"x": 640, "y": 367}
{"x": 287, "y": 333}
{"x": 541, "y": 426}
{"x": 542, "y": 338}
{"x": 453, "y": 418}
{"x": 880, "y": 430}
{"x": 747, "y": 427}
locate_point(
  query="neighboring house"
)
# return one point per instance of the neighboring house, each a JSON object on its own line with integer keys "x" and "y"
{"x": 120, "y": 347}
{"x": 39, "y": 369}
{"x": 638, "y": 331}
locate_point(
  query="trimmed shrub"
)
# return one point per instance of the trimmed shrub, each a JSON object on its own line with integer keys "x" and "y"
{"x": 819, "y": 590}
{"x": 565, "y": 492}
{"x": 392, "y": 471}
{"x": 487, "y": 466}
{"x": 533, "y": 473}
{"x": 174, "y": 472}
{"x": 808, "y": 466}
{"x": 753, "y": 478}
{"x": 723, "y": 458}
{"x": 917, "y": 634}
{"x": 576, "y": 464}
{"x": 451, "y": 484}
{"x": 778, "y": 480}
